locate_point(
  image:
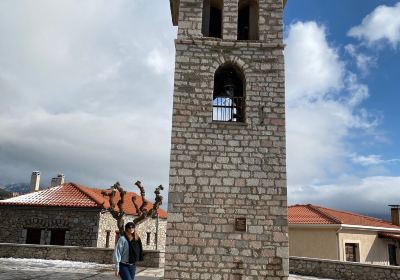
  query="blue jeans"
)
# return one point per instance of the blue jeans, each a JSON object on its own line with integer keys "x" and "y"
{"x": 127, "y": 272}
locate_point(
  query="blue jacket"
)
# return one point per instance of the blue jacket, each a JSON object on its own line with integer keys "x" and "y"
{"x": 121, "y": 252}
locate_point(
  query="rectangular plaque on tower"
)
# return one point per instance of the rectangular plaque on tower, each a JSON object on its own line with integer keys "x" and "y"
{"x": 240, "y": 224}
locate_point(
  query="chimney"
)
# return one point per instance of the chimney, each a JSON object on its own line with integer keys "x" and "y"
{"x": 35, "y": 180}
{"x": 59, "y": 180}
{"x": 395, "y": 211}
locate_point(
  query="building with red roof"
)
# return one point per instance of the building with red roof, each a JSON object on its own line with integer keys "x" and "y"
{"x": 75, "y": 215}
{"x": 324, "y": 233}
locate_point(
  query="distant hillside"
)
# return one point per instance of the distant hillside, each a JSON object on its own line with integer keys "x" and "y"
{"x": 4, "y": 194}
{"x": 19, "y": 187}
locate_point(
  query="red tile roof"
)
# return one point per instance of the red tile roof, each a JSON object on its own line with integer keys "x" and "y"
{"x": 308, "y": 214}
{"x": 66, "y": 195}
{"x": 128, "y": 206}
{"x": 77, "y": 196}
{"x": 312, "y": 214}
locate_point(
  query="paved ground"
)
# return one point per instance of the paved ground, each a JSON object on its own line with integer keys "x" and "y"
{"x": 30, "y": 269}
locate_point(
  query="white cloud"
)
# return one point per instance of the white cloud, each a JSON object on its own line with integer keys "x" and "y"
{"x": 158, "y": 60}
{"x": 364, "y": 62}
{"x": 323, "y": 118}
{"x": 71, "y": 56}
{"x": 314, "y": 149}
{"x": 87, "y": 148}
{"x": 383, "y": 24}
{"x": 314, "y": 68}
{"x": 370, "y": 195}
{"x": 77, "y": 95}
{"x": 356, "y": 93}
{"x": 371, "y": 160}
{"x": 323, "y": 100}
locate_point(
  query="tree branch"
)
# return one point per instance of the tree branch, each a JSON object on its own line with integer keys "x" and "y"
{"x": 143, "y": 214}
{"x": 143, "y": 195}
{"x": 119, "y": 213}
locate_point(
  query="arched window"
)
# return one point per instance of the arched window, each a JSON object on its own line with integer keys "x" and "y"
{"x": 212, "y": 18}
{"x": 228, "y": 96}
{"x": 248, "y": 20}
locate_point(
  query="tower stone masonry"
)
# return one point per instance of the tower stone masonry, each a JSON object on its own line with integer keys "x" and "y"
{"x": 227, "y": 203}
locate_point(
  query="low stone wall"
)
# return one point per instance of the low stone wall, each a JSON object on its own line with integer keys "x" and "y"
{"x": 73, "y": 253}
{"x": 342, "y": 270}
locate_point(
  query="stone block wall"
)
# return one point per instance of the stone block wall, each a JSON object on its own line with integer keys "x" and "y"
{"x": 108, "y": 224}
{"x": 229, "y": 23}
{"x": 149, "y": 227}
{"x": 270, "y": 20}
{"x": 84, "y": 227}
{"x": 71, "y": 253}
{"x": 223, "y": 171}
{"x": 342, "y": 270}
{"x": 81, "y": 224}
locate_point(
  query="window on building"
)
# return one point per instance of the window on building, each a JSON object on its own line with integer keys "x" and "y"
{"x": 248, "y": 20}
{"x": 148, "y": 237}
{"x": 108, "y": 233}
{"x": 351, "y": 252}
{"x": 392, "y": 254}
{"x": 33, "y": 235}
{"x": 228, "y": 96}
{"x": 57, "y": 237}
{"x": 212, "y": 18}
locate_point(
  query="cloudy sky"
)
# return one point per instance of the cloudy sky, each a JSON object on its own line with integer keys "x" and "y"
{"x": 86, "y": 89}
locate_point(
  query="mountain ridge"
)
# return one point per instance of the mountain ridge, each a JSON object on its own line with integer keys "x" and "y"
{"x": 16, "y": 187}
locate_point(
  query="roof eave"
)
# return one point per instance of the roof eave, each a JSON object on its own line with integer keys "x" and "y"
{"x": 370, "y": 228}
{"x": 174, "y": 11}
{"x": 36, "y": 206}
{"x": 293, "y": 225}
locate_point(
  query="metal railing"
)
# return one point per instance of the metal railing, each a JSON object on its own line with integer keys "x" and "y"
{"x": 228, "y": 109}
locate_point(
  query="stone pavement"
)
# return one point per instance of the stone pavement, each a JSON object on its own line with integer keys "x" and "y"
{"x": 30, "y": 269}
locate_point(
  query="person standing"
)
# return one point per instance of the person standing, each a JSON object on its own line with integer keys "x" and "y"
{"x": 127, "y": 252}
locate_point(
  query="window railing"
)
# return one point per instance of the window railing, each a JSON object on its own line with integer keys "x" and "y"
{"x": 228, "y": 109}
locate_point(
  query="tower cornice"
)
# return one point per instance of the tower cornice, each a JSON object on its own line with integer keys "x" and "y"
{"x": 227, "y": 43}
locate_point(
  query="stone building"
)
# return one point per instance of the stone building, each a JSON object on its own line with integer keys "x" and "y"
{"x": 227, "y": 211}
{"x": 72, "y": 215}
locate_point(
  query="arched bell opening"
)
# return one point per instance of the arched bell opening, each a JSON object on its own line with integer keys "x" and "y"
{"x": 229, "y": 94}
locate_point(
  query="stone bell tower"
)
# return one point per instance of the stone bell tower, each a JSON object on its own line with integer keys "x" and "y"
{"x": 227, "y": 200}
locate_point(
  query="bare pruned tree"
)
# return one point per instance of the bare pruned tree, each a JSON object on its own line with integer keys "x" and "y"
{"x": 142, "y": 211}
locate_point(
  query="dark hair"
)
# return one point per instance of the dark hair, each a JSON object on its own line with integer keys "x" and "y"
{"x": 130, "y": 225}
